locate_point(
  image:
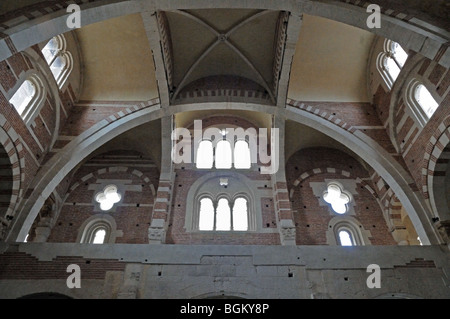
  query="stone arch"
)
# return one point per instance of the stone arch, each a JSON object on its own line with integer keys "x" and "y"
{"x": 99, "y": 172}
{"x": 396, "y": 25}
{"x": 79, "y": 148}
{"x": 11, "y": 157}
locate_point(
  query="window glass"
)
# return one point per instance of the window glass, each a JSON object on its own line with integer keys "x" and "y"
{"x": 223, "y": 215}
{"x": 205, "y": 156}
{"x": 242, "y": 158}
{"x": 223, "y": 155}
{"x": 23, "y": 96}
{"x": 345, "y": 238}
{"x": 206, "y": 217}
{"x": 99, "y": 236}
{"x": 50, "y": 50}
{"x": 108, "y": 197}
{"x": 240, "y": 214}
{"x": 426, "y": 100}
{"x": 58, "y": 66}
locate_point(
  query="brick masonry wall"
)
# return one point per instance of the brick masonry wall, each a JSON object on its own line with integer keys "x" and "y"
{"x": 22, "y": 266}
{"x": 186, "y": 175}
{"x": 416, "y": 143}
{"x": 310, "y": 217}
{"x": 35, "y": 140}
{"x": 132, "y": 214}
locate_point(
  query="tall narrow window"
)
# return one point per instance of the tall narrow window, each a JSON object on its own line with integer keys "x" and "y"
{"x": 242, "y": 158}
{"x": 205, "y": 157}
{"x": 57, "y": 66}
{"x": 223, "y": 156}
{"x": 240, "y": 214}
{"x": 426, "y": 100}
{"x": 391, "y": 61}
{"x": 206, "y": 215}
{"x": 51, "y": 50}
{"x": 99, "y": 236}
{"x": 58, "y": 59}
{"x": 223, "y": 215}
{"x": 345, "y": 238}
{"x": 23, "y": 97}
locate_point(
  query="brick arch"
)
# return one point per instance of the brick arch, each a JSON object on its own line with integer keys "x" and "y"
{"x": 392, "y": 205}
{"x": 437, "y": 147}
{"x": 330, "y": 170}
{"x": 112, "y": 169}
{"x": 386, "y": 205}
{"x": 433, "y": 151}
{"x": 330, "y": 117}
{"x": 13, "y": 148}
{"x": 81, "y": 146}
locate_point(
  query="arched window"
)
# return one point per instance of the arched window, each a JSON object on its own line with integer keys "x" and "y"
{"x": 99, "y": 229}
{"x": 240, "y": 214}
{"x": 99, "y": 236}
{"x": 223, "y": 156}
{"x": 391, "y": 61}
{"x": 344, "y": 230}
{"x": 205, "y": 155}
{"x": 337, "y": 198}
{"x": 206, "y": 215}
{"x": 345, "y": 238}
{"x": 29, "y": 97}
{"x": 221, "y": 217}
{"x": 420, "y": 101}
{"x": 425, "y": 100}
{"x": 23, "y": 96}
{"x": 242, "y": 158}
{"x": 59, "y": 60}
{"x": 108, "y": 197}
{"x": 97, "y": 232}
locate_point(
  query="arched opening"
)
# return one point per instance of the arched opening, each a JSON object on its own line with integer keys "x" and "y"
{"x": 46, "y": 295}
{"x": 6, "y": 184}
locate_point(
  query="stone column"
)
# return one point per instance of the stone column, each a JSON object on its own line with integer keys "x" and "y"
{"x": 43, "y": 230}
{"x": 163, "y": 200}
{"x": 45, "y": 222}
{"x": 444, "y": 230}
{"x": 400, "y": 234}
{"x": 282, "y": 204}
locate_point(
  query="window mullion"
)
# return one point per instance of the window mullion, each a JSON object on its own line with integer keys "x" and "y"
{"x": 231, "y": 207}
{"x": 215, "y": 205}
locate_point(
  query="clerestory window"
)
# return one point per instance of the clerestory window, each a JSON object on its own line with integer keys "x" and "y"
{"x": 420, "y": 101}
{"x": 58, "y": 59}
{"x": 223, "y": 215}
{"x": 337, "y": 198}
{"x": 29, "y": 97}
{"x": 391, "y": 61}
{"x": 108, "y": 197}
{"x": 223, "y": 156}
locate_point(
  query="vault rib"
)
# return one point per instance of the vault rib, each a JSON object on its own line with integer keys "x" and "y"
{"x": 223, "y": 38}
